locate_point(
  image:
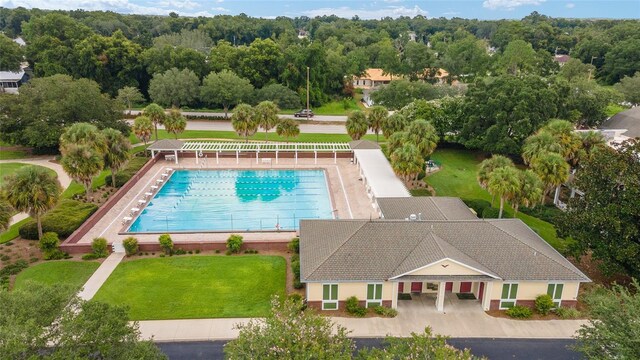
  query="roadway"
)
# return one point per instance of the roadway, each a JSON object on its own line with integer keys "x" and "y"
{"x": 225, "y": 125}
{"x": 320, "y": 118}
{"x": 493, "y": 349}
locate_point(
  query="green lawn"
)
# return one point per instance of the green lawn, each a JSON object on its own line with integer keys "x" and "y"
{"x": 613, "y": 109}
{"x": 13, "y": 154}
{"x": 12, "y": 231}
{"x": 458, "y": 178}
{"x": 73, "y": 273}
{"x": 191, "y": 287}
{"x": 230, "y": 135}
{"x": 10, "y": 168}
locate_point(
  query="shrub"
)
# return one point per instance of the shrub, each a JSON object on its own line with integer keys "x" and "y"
{"x": 12, "y": 269}
{"x": 5, "y": 257}
{"x": 162, "y": 255}
{"x": 180, "y": 252}
{"x": 166, "y": 243}
{"x": 519, "y": 312}
{"x": 294, "y": 245}
{"x": 50, "y": 245}
{"x": 295, "y": 269}
{"x": 385, "y": 311}
{"x": 228, "y": 252}
{"x": 132, "y": 167}
{"x": 89, "y": 256}
{"x": 353, "y": 307}
{"x": 63, "y": 220}
{"x": 477, "y": 205}
{"x": 217, "y": 251}
{"x": 490, "y": 213}
{"x": 234, "y": 243}
{"x": 130, "y": 245}
{"x": 197, "y": 251}
{"x": 544, "y": 304}
{"x": 99, "y": 247}
{"x": 295, "y": 297}
{"x": 8, "y": 243}
{"x": 33, "y": 259}
{"x": 548, "y": 213}
{"x": 567, "y": 313}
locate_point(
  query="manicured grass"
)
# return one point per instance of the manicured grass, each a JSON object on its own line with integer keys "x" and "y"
{"x": 73, "y": 273}
{"x": 13, "y": 154}
{"x": 458, "y": 178}
{"x": 13, "y": 231}
{"x": 10, "y": 168}
{"x": 613, "y": 109}
{"x": 230, "y": 135}
{"x": 191, "y": 287}
{"x": 340, "y": 107}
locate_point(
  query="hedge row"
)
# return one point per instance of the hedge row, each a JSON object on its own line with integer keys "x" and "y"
{"x": 122, "y": 176}
{"x": 64, "y": 219}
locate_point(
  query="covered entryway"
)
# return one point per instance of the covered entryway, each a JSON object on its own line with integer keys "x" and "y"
{"x": 435, "y": 291}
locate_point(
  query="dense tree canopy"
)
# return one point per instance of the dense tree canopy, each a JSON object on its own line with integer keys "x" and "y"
{"x": 174, "y": 88}
{"x": 11, "y": 55}
{"x": 36, "y": 117}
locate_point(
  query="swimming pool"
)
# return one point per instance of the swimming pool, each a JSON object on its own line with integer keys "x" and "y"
{"x": 236, "y": 200}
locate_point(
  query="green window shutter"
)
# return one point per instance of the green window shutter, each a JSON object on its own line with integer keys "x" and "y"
{"x": 514, "y": 291}
{"x": 378, "y": 291}
{"x": 505, "y": 291}
{"x": 334, "y": 292}
{"x": 558, "y": 294}
{"x": 370, "y": 291}
{"x": 550, "y": 289}
{"x": 325, "y": 292}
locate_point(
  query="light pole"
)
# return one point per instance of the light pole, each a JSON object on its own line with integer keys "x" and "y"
{"x": 307, "y": 93}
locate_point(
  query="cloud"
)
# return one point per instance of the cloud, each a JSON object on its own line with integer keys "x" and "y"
{"x": 393, "y": 1}
{"x": 509, "y": 4}
{"x": 570, "y": 5}
{"x": 451, "y": 13}
{"x": 164, "y": 7}
{"x": 347, "y": 12}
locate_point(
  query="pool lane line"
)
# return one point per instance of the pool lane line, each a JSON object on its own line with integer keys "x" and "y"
{"x": 132, "y": 200}
{"x": 344, "y": 191}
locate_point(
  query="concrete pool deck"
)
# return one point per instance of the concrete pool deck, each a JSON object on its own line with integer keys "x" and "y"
{"x": 348, "y": 196}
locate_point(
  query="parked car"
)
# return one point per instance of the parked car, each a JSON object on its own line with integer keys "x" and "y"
{"x": 304, "y": 113}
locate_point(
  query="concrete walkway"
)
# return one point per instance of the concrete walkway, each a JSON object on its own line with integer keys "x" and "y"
{"x": 101, "y": 275}
{"x": 464, "y": 319}
{"x": 44, "y": 161}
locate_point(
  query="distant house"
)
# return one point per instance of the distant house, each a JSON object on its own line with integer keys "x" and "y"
{"x": 561, "y": 59}
{"x": 372, "y": 78}
{"x": 10, "y": 81}
{"x": 303, "y": 34}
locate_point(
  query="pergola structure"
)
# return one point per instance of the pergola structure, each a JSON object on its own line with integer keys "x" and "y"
{"x": 199, "y": 148}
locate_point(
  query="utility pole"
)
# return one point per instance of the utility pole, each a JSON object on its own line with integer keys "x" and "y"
{"x": 307, "y": 93}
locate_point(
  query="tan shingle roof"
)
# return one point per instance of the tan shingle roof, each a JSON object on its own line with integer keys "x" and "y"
{"x": 361, "y": 250}
{"x": 363, "y": 145}
{"x": 430, "y": 208}
{"x": 375, "y": 75}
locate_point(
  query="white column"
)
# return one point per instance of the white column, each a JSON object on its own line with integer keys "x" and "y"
{"x": 175, "y": 156}
{"x": 440, "y": 298}
{"x": 296, "y": 156}
{"x": 237, "y": 157}
{"x": 486, "y": 295}
{"x": 153, "y": 154}
{"x": 196, "y": 157}
{"x": 315, "y": 156}
{"x": 394, "y": 295}
{"x": 335, "y": 157}
{"x": 556, "y": 197}
{"x": 257, "y": 152}
{"x": 276, "y": 157}
{"x": 217, "y": 160}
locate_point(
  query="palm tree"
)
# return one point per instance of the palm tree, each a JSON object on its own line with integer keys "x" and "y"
{"x": 504, "y": 182}
{"x": 357, "y": 125}
{"x": 267, "y": 116}
{"x": 591, "y": 142}
{"x": 377, "y": 116}
{"x": 32, "y": 189}
{"x": 83, "y": 134}
{"x": 175, "y": 123}
{"x": 117, "y": 153}
{"x": 244, "y": 121}
{"x": 156, "y": 114}
{"x": 552, "y": 169}
{"x": 82, "y": 163}
{"x": 393, "y": 123}
{"x": 530, "y": 190}
{"x": 566, "y": 137}
{"x": 396, "y": 140}
{"x": 538, "y": 144}
{"x": 487, "y": 166}
{"x": 143, "y": 128}
{"x": 6, "y": 212}
{"x": 422, "y": 134}
{"x": 407, "y": 161}
{"x": 288, "y": 128}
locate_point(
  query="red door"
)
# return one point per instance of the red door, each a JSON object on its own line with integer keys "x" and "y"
{"x": 481, "y": 291}
{"x": 448, "y": 287}
{"x": 416, "y": 287}
{"x": 465, "y": 287}
{"x": 401, "y": 287}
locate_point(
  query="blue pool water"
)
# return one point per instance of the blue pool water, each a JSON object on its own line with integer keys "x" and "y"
{"x": 236, "y": 200}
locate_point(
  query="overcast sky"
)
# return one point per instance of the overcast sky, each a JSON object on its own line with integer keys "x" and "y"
{"x": 480, "y": 9}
